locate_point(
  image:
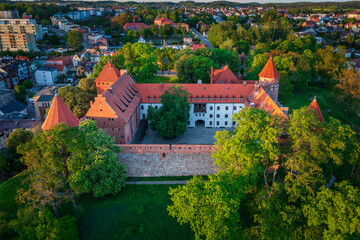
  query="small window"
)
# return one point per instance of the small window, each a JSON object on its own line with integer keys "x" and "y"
{"x": 191, "y": 99}
{"x": 217, "y": 123}
{"x": 156, "y": 107}
{"x": 154, "y": 98}
{"x": 225, "y": 123}
{"x": 233, "y": 99}
{"x": 148, "y": 99}
{"x": 218, "y": 108}
{"x": 210, "y": 123}
{"x": 234, "y": 107}
{"x": 234, "y": 123}
{"x": 226, "y": 108}
{"x": 211, "y": 108}
{"x": 214, "y": 98}
{"x": 209, "y": 98}
{"x": 142, "y": 107}
{"x": 217, "y": 115}
{"x": 202, "y": 99}
{"x": 226, "y": 99}
{"x": 241, "y": 99}
{"x": 226, "y": 115}
{"x": 210, "y": 116}
{"x": 197, "y": 99}
{"x": 189, "y": 123}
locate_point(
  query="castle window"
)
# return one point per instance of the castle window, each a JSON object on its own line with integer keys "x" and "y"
{"x": 217, "y": 115}
{"x": 234, "y": 107}
{"x": 211, "y": 108}
{"x": 217, "y": 123}
{"x": 218, "y": 108}
{"x": 225, "y": 123}
{"x": 234, "y": 123}
{"x": 142, "y": 107}
{"x": 226, "y": 108}
{"x": 226, "y": 115}
{"x": 210, "y": 115}
{"x": 210, "y": 123}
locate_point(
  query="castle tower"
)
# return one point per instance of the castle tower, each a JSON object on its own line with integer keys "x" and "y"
{"x": 315, "y": 106}
{"x": 59, "y": 113}
{"x": 107, "y": 77}
{"x": 269, "y": 80}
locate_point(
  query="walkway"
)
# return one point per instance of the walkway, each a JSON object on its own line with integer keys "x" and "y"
{"x": 203, "y": 39}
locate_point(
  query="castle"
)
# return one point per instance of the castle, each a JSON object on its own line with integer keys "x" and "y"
{"x": 121, "y": 102}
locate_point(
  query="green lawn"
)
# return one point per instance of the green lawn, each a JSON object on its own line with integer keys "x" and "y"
{"x": 137, "y": 212}
{"x": 163, "y": 79}
{"x": 326, "y": 102}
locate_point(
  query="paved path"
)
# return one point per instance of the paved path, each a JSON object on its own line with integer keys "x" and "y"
{"x": 204, "y": 40}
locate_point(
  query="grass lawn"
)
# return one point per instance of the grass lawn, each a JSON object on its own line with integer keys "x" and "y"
{"x": 163, "y": 79}
{"x": 137, "y": 212}
{"x": 326, "y": 102}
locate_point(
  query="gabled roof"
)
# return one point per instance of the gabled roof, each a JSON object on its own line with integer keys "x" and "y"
{"x": 265, "y": 102}
{"x": 120, "y": 99}
{"x": 270, "y": 71}
{"x": 224, "y": 75}
{"x": 315, "y": 106}
{"x": 109, "y": 73}
{"x": 60, "y": 113}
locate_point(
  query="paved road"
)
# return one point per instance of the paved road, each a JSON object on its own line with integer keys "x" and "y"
{"x": 202, "y": 39}
{"x": 57, "y": 31}
{"x": 158, "y": 182}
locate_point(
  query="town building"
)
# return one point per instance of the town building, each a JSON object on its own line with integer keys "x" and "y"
{"x": 14, "y": 72}
{"x": 8, "y": 126}
{"x": 45, "y": 75}
{"x": 9, "y": 14}
{"x": 135, "y": 26}
{"x": 121, "y": 102}
{"x": 17, "y": 41}
{"x": 84, "y": 69}
{"x": 6, "y": 96}
{"x": 165, "y": 21}
{"x": 21, "y": 26}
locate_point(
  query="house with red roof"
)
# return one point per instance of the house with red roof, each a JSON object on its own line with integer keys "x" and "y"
{"x": 165, "y": 21}
{"x": 135, "y": 26}
{"x": 59, "y": 113}
{"x": 121, "y": 102}
{"x": 197, "y": 46}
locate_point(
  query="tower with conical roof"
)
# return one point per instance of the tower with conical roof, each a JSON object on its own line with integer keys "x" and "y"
{"x": 315, "y": 106}
{"x": 269, "y": 80}
{"x": 59, "y": 113}
{"x": 107, "y": 77}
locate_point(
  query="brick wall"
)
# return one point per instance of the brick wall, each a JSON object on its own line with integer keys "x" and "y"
{"x": 166, "y": 148}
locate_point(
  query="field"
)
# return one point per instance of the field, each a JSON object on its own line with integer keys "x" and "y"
{"x": 138, "y": 212}
{"x": 327, "y": 104}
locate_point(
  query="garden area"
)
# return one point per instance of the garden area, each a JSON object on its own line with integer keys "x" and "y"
{"x": 137, "y": 212}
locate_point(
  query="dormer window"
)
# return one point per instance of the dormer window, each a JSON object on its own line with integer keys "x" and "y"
{"x": 148, "y": 98}
{"x": 197, "y": 98}
{"x": 233, "y": 98}
{"x": 226, "y": 98}
{"x": 154, "y": 98}
{"x": 209, "y": 98}
{"x": 202, "y": 98}
{"x": 240, "y": 98}
{"x": 214, "y": 98}
{"x": 191, "y": 99}
{"x": 220, "y": 98}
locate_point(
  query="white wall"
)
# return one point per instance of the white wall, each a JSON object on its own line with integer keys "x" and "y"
{"x": 45, "y": 77}
{"x": 216, "y": 115}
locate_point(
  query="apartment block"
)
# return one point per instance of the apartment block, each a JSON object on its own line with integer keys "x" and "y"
{"x": 21, "y": 26}
{"x": 17, "y": 41}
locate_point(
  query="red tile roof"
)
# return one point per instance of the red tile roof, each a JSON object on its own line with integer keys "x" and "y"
{"x": 200, "y": 93}
{"x": 315, "y": 106}
{"x": 59, "y": 68}
{"x": 224, "y": 75}
{"x": 269, "y": 71}
{"x": 59, "y": 113}
{"x": 196, "y": 46}
{"x": 135, "y": 26}
{"x": 265, "y": 102}
{"x": 119, "y": 100}
{"x": 164, "y": 20}
{"x": 109, "y": 73}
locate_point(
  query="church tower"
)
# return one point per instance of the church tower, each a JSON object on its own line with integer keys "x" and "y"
{"x": 269, "y": 80}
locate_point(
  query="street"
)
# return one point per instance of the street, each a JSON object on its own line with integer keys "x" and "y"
{"x": 204, "y": 40}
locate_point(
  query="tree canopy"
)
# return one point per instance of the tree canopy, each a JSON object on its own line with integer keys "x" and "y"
{"x": 171, "y": 119}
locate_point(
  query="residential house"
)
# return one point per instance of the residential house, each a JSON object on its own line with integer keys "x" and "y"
{"x": 46, "y": 75}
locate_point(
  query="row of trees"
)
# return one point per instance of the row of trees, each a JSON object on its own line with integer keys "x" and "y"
{"x": 62, "y": 164}
{"x": 305, "y": 187}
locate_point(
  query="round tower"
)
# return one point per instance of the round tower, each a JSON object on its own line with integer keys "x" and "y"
{"x": 269, "y": 80}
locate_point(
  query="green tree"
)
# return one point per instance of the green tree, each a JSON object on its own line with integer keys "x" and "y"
{"x": 15, "y": 140}
{"x": 33, "y": 223}
{"x": 166, "y": 31}
{"x": 171, "y": 119}
{"x": 28, "y": 84}
{"x": 175, "y": 16}
{"x": 46, "y": 22}
{"x": 20, "y": 93}
{"x": 242, "y": 47}
{"x": 65, "y": 162}
{"x": 74, "y": 39}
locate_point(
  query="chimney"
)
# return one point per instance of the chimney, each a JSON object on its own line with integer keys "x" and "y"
{"x": 244, "y": 83}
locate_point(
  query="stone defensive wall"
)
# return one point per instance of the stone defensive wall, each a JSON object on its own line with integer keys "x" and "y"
{"x": 166, "y": 148}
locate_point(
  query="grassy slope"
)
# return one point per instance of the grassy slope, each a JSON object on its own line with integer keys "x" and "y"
{"x": 8, "y": 192}
{"x": 325, "y": 101}
{"x": 119, "y": 217}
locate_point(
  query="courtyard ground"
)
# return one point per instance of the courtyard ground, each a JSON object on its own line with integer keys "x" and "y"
{"x": 197, "y": 135}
